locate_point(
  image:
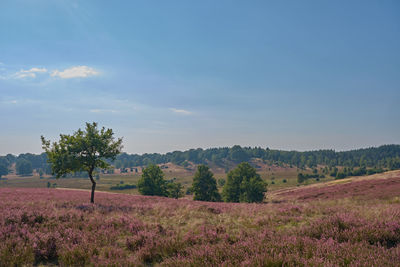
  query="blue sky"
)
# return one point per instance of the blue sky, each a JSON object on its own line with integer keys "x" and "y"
{"x": 174, "y": 75}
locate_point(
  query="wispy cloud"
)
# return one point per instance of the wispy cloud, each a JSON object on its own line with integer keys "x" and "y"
{"x": 181, "y": 111}
{"x": 103, "y": 111}
{"x": 19, "y": 102}
{"x": 8, "y": 102}
{"x": 75, "y": 72}
{"x": 31, "y": 73}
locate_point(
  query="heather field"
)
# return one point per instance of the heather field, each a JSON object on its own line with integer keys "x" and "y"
{"x": 358, "y": 224}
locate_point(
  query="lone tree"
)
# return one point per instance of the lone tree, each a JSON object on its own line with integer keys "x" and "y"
{"x": 152, "y": 182}
{"x": 83, "y": 151}
{"x": 204, "y": 185}
{"x": 244, "y": 185}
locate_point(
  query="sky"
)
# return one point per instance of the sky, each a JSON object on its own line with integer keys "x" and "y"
{"x": 174, "y": 75}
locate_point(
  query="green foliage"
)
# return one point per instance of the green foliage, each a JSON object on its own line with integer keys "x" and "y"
{"x": 300, "y": 177}
{"x": 238, "y": 154}
{"x": 123, "y": 187}
{"x": 387, "y": 156}
{"x": 334, "y": 172}
{"x": 175, "y": 190}
{"x": 204, "y": 185}
{"x": 346, "y": 172}
{"x": 244, "y": 185}
{"x": 303, "y": 177}
{"x": 189, "y": 191}
{"x": 3, "y": 169}
{"x": 152, "y": 182}
{"x": 83, "y": 151}
{"x": 221, "y": 182}
{"x": 24, "y": 167}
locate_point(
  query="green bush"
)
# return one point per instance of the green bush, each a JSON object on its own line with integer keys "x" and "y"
{"x": 123, "y": 186}
{"x": 175, "y": 190}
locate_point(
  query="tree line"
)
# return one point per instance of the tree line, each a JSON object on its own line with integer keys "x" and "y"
{"x": 386, "y": 156}
{"x": 382, "y": 157}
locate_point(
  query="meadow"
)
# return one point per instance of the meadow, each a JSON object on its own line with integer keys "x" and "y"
{"x": 351, "y": 222}
{"x": 277, "y": 178}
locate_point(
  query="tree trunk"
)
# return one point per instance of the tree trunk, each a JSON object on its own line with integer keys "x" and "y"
{"x": 93, "y": 187}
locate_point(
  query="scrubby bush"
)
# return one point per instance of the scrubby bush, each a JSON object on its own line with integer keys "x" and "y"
{"x": 175, "y": 190}
{"x": 221, "y": 182}
{"x": 123, "y": 186}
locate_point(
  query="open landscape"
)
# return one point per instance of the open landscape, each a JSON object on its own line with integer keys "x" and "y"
{"x": 199, "y": 133}
{"x": 182, "y": 175}
{"x": 352, "y": 222}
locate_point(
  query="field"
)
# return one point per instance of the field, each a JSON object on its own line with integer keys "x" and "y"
{"x": 350, "y": 222}
{"x": 277, "y": 178}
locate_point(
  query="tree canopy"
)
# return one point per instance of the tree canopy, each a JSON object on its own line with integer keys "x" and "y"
{"x": 386, "y": 156}
{"x": 152, "y": 182}
{"x": 82, "y": 151}
{"x": 3, "y": 169}
{"x": 204, "y": 185}
{"x": 24, "y": 167}
{"x": 244, "y": 185}
{"x": 383, "y": 157}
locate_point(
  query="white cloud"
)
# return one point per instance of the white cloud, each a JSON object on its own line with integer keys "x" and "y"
{"x": 29, "y": 73}
{"x": 8, "y": 102}
{"x": 75, "y": 72}
{"x": 103, "y": 111}
{"x": 180, "y": 111}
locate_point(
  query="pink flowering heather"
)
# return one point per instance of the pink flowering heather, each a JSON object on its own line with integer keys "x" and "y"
{"x": 60, "y": 227}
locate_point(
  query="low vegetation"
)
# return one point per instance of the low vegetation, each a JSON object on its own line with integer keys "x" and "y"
{"x": 356, "y": 225}
{"x": 123, "y": 186}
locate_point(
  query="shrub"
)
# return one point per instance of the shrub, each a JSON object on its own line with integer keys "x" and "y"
{"x": 221, "y": 182}
{"x": 175, "y": 190}
{"x": 123, "y": 186}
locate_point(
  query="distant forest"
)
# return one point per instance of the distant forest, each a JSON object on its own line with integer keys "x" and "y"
{"x": 383, "y": 157}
